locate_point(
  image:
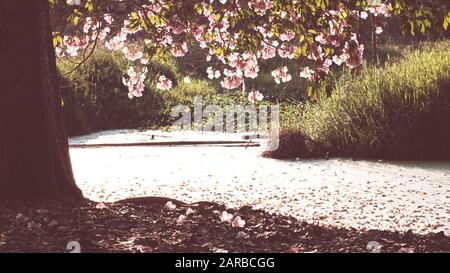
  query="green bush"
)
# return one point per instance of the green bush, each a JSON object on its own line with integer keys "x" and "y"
{"x": 398, "y": 111}
{"x": 95, "y": 98}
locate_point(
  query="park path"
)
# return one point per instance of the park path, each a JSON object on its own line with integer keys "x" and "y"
{"x": 339, "y": 192}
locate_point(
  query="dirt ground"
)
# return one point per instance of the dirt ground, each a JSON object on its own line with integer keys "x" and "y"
{"x": 164, "y": 225}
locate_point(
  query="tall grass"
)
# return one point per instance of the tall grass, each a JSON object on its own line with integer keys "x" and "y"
{"x": 401, "y": 110}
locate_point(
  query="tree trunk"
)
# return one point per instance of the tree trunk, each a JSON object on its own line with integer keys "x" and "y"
{"x": 34, "y": 153}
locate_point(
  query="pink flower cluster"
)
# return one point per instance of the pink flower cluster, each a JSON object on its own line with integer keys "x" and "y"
{"x": 255, "y": 96}
{"x": 135, "y": 82}
{"x": 216, "y": 28}
{"x": 74, "y": 45}
{"x": 232, "y": 79}
{"x": 260, "y": 6}
{"x": 353, "y": 53}
{"x": 132, "y": 54}
{"x": 281, "y": 75}
{"x": 164, "y": 83}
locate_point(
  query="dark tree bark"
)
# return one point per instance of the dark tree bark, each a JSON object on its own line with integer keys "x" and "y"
{"x": 34, "y": 153}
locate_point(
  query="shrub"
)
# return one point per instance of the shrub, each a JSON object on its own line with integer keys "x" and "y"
{"x": 95, "y": 98}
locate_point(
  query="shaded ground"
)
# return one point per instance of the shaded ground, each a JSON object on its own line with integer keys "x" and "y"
{"x": 149, "y": 225}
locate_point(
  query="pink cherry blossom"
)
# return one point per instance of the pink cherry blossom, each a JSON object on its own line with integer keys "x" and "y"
{"x": 321, "y": 39}
{"x": 222, "y": 25}
{"x": 237, "y": 61}
{"x": 108, "y": 18}
{"x": 281, "y": 75}
{"x": 88, "y": 25}
{"x": 115, "y": 43}
{"x": 59, "y": 52}
{"x": 327, "y": 63}
{"x": 251, "y": 71}
{"x": 288, "y": 36}
{"x": 260, "y": 6}
{"x": 135, "y": 82}
{"x": 131, "y": 72}
{"x": 363, "y": 15}
{"x": 379, "y": 30}
{"x": 294, "y": 15}
{"x": 232, "y": 82}
{"x": 127, "y": 30}
{"x": 337, "y": 60}
{"x": 75, "y": 44}
{"x": 247, "y": 63}
{"x": 164, "y": 83}
{"x": 102, "y": 34}
{"x": 132, "y": 54}
{"x": 269, "y": 50}
{"x": 166, "y": 39}
{"x": 307, "y": 73}
{"x": 255, "y": 96}
{"x": 353, "y": 53}
{"x": 197, "y": 31}
{"x": 287, "y": 51}
{"x": 213, "y": 74}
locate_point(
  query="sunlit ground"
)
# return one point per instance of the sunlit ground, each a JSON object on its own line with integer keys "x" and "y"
{"x": 341, "y": 192}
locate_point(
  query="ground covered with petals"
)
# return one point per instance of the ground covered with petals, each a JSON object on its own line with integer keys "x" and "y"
{"x": 164, "y": 225}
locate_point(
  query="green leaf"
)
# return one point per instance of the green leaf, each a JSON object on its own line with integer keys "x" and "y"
{"x": 57, "y": 39}
{"x": 89, "y": 5}
{"x": 446, "y": 21}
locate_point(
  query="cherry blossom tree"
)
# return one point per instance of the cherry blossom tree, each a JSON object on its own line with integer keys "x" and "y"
{"x": 237, "y": 36}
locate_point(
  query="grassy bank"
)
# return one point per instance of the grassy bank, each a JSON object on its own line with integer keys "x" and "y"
{"x": 398, "y": 111}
